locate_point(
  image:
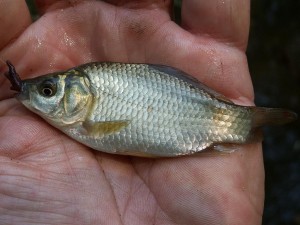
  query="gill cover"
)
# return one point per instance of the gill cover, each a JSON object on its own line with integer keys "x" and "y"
{"x": 77, "y": 95}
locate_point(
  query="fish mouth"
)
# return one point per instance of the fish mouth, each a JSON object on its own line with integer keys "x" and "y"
{"x": 22, "y": 96}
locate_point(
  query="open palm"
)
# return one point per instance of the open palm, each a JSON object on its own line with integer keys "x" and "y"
{"x": 47, "y": 178}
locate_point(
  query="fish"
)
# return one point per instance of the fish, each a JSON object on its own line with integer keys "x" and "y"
{"x": 144, "y": 110}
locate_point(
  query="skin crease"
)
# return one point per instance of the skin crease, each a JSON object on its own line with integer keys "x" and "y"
{"x": 47, "y": 178}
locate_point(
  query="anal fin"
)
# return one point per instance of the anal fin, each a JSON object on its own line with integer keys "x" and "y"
{"x": 226, "y": 147}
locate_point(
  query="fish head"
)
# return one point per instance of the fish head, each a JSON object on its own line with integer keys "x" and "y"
{"x": 61, "y": 98}
{"x": 43, "y": 95}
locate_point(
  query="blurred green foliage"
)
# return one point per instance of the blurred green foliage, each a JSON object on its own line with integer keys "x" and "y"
{"x": 32, "y": 9}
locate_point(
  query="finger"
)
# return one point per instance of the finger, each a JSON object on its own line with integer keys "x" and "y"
{"x": 150, "y": 4}
{"x": 14, "y": 18}
{"x": 48, "y": 5}
{"x": 166, "y": 5}
{"x": 226, "y": 20}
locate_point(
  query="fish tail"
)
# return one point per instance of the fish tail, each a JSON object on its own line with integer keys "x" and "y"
{"x": 271, "y": 116}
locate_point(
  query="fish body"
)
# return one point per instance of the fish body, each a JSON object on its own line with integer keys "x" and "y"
{"x": 142, "y": 109}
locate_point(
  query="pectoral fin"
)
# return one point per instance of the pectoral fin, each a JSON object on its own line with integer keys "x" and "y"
{"x": 104, "y": 127}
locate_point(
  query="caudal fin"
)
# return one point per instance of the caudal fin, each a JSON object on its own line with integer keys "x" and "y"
{"x": 272, "y": 116}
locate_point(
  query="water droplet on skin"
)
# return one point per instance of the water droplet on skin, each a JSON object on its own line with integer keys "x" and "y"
{"x": 68, "y": 41}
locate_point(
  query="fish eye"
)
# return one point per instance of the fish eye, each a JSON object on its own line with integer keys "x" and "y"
{"x": 47, "y": 89}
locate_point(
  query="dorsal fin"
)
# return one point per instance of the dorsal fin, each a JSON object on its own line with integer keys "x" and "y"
{"x": 188, "y": 79}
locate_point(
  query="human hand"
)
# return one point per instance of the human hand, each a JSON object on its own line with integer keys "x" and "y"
{"x": 47, "y": 178}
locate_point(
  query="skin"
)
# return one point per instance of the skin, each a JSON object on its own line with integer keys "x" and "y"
{"x": 47, "y": 178}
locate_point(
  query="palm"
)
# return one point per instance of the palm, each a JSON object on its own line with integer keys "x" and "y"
{"x": 47, "y": 178}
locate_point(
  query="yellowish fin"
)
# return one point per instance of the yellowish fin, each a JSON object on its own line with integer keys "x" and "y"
{"x": 104, "y": 128}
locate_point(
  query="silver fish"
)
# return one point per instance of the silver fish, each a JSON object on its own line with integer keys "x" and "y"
{"x": 140, "y": 109}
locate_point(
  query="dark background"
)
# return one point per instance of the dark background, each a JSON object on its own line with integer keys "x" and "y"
{"x": 274, "y": 63}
